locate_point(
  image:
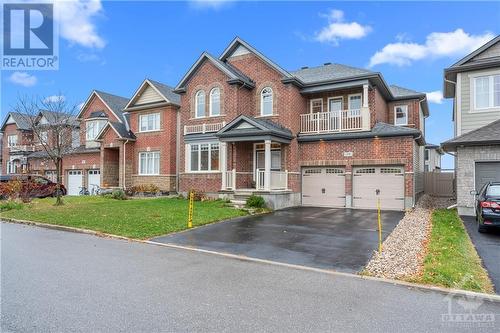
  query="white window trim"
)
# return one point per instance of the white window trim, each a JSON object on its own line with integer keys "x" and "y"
{"x": 187, "y": 168}
{"x": 404, "y": 107}
{"x": 210, "y": 103}
{"x": 153, "y": 130}
{"x": 472, "y": 78}
{"x": 12, "y": 136}
{"x": 196, "y": 105}
{"x": 139, "y": 163}
{"x": 315, "y": 100}
{"x": 341, "y": 98}
{"x": 262, "y": 102}
{"x": 349, "y": 101}
{"x": 95, "y": 121}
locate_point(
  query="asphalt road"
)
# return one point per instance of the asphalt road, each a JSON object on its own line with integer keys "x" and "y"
{"x": 67, "y": 282}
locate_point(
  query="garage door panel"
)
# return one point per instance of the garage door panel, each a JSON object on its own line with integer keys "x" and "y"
{"x": 388, "y": 180}
{"x": 75, "y": 181}
{"x": 487, "y": 172}
{"x": 323, "y": 187}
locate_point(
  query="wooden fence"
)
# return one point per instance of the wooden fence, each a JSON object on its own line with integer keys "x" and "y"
{"x": 439, "y": 184}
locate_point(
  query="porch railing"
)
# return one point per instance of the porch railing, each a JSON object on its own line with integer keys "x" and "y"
{"x": 18, "y": 148}
{"x": 279, "y": 180}
{"x": 230, "y": 179}
{"x": 334, "y": 121}
{"x": 203, "y": 128}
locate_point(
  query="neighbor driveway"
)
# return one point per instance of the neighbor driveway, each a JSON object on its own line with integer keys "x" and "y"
{"x": 339, "y": 239}
{"x": 488, "y": 248}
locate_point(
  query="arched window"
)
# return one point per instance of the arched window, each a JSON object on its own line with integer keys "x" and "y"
{"x": 266, "y": 102}
{"x": 200, "y": 104}
{"x": 215, "y": 102}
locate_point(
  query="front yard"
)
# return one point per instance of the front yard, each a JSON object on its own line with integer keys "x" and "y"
{"x": 138, "y": 218}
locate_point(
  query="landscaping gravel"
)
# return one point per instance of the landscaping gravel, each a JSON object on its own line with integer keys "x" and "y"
{"x": 403, "y": 250}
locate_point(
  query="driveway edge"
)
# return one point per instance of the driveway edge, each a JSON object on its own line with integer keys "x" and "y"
{"x": 442, "y": 290}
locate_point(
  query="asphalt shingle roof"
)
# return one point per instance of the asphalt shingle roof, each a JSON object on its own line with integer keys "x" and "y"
{"x": 489, "y": 134}
{"x": 22, "y": 120}
{"x": 328, "y": 72}
{"x": 122, "y": 130}
{"x": 167, "y": 91}
{"x": 116, "y": 103}
{"x": 260, "y": 127}
{"x": 398, "y": 91}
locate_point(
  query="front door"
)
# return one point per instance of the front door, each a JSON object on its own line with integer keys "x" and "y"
{"x": 260, "y": 161}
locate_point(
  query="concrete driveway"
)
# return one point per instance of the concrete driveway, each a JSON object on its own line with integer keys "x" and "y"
{"x": 339, "y": 239}
{"x": 488, "y": 248}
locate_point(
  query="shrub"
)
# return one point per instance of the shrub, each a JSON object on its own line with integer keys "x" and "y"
{"x": 143, "y": 188}
{"x": 256, "y": 201}
{"x": 24, "y": 190}
{"x": 118, "y": 195}
{"x": 198, "y": 195}
{"x": 10, "y": 204}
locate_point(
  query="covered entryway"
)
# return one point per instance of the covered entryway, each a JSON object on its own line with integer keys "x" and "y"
{"x": 75, "y": 181}
{"x": 487, "y": 172}
{"x": 323, "y": 187}
{"x": 386, "y": 183}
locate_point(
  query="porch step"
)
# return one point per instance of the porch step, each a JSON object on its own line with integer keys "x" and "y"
{"x": 238, "y": 203}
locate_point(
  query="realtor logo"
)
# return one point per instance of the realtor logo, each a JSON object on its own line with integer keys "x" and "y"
{"x": 29, "y": 36}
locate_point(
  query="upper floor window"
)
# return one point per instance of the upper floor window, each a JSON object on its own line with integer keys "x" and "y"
{"x": 426, "y": 155}
{"x": 401, "y": 115}
{"x": 215, "y": 102}
{"x": 487, "y": 92}
{"x": 200, "y": 104}
{"x": 266, "y": 102}
{"x": 335, "y": 104}
{"x": 355, "y": 102}
{"x": 93, "y": 127}
{"x": 316, "y": 105}
{"x": 149, "y": 122}
{"x": 12, "y": 140}
{"x": 149, "y": 163}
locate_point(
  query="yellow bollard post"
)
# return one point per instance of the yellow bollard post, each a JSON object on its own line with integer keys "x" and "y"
{"x": 190, "y": 213}
{"x": 379, "y": 227}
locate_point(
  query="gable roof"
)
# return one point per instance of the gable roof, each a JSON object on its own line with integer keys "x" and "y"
{"x": 53, "y": 117}
{"x": 401, "y": 92}
{"x": 235, "y": 76}
{"x": 119, "y": 128}
{"x": 114, "y": 103}
{"x": 489, "y": 134}
{"x": 468, "y": 63}
{"x": 237, "y": 42}
{"x": 250, "y": 127}
{"x": 165, "y": 91}
{"x": 328, "y": 72}
{"x": 21, "y": 120}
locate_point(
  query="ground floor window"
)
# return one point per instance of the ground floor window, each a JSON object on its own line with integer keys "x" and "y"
{"x": 149, "y": 163}
{"x": 203, "y": 156}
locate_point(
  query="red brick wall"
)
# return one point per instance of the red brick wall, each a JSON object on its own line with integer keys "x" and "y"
{"x": 413, "y": 112}
{"x": 379, "y": 109}
{"x": 23, "y": 138}
{"x": 82, "y": 162}
{"x": 95, "y": 104}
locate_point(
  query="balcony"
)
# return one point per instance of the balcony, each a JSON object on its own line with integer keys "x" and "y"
{"x": 21, "y": 148}
{"x": 203, "y": 128}
{"x": 335, "y": 121}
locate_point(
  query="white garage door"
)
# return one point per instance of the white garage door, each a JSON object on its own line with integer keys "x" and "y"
{"x": 389, "y": 181}
{"x": 93, "y": 179}
{"x": 75, "y": 181}
{"x": 324, "y": 187}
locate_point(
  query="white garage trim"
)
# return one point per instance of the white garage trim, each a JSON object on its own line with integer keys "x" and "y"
{"x": 323, "y": 186}
{"x": 75, "y": 181}
{"x": 93, "y": 178}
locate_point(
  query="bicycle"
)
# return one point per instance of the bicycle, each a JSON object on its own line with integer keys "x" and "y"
{"x": 96, "y": 189}
{"x": 83, "y": 191}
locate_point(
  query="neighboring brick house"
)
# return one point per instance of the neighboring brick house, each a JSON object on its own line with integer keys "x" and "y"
{"x": 17, "y": 143}
{"x": 474, "y": 84}
{"x": 325, "y": 136}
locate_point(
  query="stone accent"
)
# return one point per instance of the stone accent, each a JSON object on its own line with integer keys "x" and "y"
{"x": 465, "y": 173}
{"x": 166, "y": 183}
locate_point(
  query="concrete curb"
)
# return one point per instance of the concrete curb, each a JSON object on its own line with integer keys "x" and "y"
{"x": 446, "y": 291}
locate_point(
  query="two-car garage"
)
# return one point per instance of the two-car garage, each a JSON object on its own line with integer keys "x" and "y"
{"x": 326, "y": 187}
{"x": 75, "y": 180}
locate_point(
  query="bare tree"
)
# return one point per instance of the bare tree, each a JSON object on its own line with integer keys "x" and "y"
{"x": 54, "y": 135}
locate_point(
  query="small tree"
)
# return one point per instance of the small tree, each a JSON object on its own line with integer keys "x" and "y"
{"x": 55, "y": 135}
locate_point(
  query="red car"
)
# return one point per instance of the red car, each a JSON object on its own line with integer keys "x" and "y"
{"x": 37, "y": 186}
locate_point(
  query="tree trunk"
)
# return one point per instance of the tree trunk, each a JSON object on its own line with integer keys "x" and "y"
{"x": 59, "y": 200}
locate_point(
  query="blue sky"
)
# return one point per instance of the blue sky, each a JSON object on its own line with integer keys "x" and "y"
{"x": 113, "y": 46}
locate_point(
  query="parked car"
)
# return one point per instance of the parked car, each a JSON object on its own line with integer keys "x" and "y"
{"x": 488, "y": 206}
{"x": 41, "y": 186}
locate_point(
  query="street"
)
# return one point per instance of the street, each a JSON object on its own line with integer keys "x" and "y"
{"x": 69, "y": 282}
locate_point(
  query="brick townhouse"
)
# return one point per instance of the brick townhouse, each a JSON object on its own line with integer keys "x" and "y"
{"x": 238, "y": 124}
{"x": 331, "y": 135}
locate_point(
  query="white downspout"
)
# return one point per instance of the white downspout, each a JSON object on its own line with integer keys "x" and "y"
{"x": 124, "y": 163}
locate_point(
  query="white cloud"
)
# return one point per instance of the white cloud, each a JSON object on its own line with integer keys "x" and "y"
{"x": 23, "y": 79}
{"x": 209, "y": 4}
{"x": 437, "y": 44}
{"x": 435, "y": 97}
{"x": 338, "y": 29}
{"x": 54, "y": 99}
{"x": 76, "y": 22}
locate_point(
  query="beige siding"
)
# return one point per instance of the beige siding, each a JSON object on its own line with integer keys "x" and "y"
{"x": 149, "y": 95}
{"x": 472, "y": 120}
{"x": 418, "y": 168}
{"x": 491, "y": 52}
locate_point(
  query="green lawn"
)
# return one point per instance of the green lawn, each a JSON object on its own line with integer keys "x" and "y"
{"x": 138, "y": 218}
{"x": 452, "y": 260}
